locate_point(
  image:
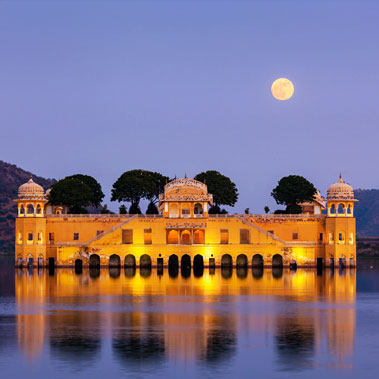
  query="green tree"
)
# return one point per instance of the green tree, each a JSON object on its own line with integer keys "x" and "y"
{"x": 267, "y": 209}
{"x": 97, "y": 194}
{"x": 152, "y": 209}
{"x": 224, "y": 191}
{"x": 247, "y": 211}
{"x": 123, "y": 210}
{"x": 293, "y": 190}
{"x": 73, "y": 193}
{"x": 134, "y": 185}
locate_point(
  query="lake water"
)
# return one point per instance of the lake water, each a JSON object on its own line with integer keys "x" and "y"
{"x": 274, "y": 324}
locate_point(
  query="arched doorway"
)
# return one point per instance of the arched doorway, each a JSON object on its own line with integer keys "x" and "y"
{"x": 226, "y": 260}
{"x": 277, "y": 260}
{"x": 145, "y": 261}
{"x": 172, "y": 237}
{"x": 94, "y": 261}
{"x": 130, "y": 261}
{"x": 241, "y": 261}
{"x": 173, "y": 261}
{"x": 114, "y": 261}
{"x": 198, "y": 261}
{"x": 78, "y": 266}
{"x": 257, "y": 261}
{"x": 185, "y": 237}
{"x": 185, "y": 262}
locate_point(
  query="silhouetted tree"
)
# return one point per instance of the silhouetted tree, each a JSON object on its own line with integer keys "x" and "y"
{"x": 123, "y": 210}
{"x": 224, "y": 191}
{"x": 293, "y": 190}
{"x": 152, "y": 209}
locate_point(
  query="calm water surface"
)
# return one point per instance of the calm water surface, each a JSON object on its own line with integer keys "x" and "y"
{"x": 224, "y": 324}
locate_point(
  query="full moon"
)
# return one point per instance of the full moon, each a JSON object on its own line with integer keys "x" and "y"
{"x": 282, "y": 89}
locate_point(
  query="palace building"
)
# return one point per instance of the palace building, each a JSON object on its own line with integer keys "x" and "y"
{"x": 184, "y": 234}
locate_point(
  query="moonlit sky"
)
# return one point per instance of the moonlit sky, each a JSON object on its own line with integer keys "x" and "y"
{"x": 184, "y": 86}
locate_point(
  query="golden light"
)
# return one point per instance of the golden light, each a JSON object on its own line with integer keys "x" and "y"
{"x": 282, "y": 89}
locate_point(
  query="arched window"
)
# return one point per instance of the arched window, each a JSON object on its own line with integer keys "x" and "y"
{"x": 38, "y": 209}
{"x": 22, "y": 210}
{"x": 349, "y": 209}
{"x": 198, "y": 210}
{"x": 341, "y": 209}
{"x": 341, "y": 238}
{"x": 30, "y": 209}
{"x": 332, "y": 209}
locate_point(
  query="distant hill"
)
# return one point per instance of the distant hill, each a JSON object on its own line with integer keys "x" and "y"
{"x": 367, "y": 212}
{"x": 11, "y": 177}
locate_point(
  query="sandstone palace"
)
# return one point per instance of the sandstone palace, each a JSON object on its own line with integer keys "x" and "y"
{"x": 184, "y": 234}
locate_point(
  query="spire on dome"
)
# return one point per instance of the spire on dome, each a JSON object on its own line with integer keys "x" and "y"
{"x": 340, "y": 180}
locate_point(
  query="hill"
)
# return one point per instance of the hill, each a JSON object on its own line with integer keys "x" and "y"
{"x": 367, "y": 212}
{"x": 11, "y": 177}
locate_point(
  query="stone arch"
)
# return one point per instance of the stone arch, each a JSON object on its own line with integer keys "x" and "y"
{"x": 78, "y": 265}
{"x": 114, "y": 260}
{"x": 198, "y": 237}
{"x": 173, "y": 261}
{"x": 38, "y": 209}
{"x": 349, "y": 209}
{"x": 30, "y": 209}
{"x": 242, "y": 261}
{"x": 94, "y": 261}
{"x": 341, "y": 209}
{"x": 226, "y": 260}
{"x": 198, "y": 261}
{"x": 172, "y": 237}
{"x": 145, "y": 261}
{"x": 22, "y": 209}
{"x": 185, "y": 237}
{"x": 277, "y": 260}
{"x": 257, "y": 260}
{"x": 130, "y": 261}
{"x": 332, "y": 209}
{"x": 198, "y": 210}
{"x": 185, "y": 262}
{"x": 293, "y": 264}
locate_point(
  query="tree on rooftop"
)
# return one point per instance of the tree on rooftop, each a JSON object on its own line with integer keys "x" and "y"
{"x": 293, "y": 190}
{"x": 73, "y": 193}
{"x": 134, "y": 185}
{"x": 224, "y": 191}
{"x": 152, "y": 209}
{"x": 97, "y": 194}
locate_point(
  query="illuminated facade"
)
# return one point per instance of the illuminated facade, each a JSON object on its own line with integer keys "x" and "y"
{"x": 185, "y": 234}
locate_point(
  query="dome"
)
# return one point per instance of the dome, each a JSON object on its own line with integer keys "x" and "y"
{"x": 340, "y": 191}
{"x": 31, "y": 190}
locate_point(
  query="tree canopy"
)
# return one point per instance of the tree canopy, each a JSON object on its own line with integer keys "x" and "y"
{"x": 293, "y": 190}
{"x": 134, "y": 185}
{"x": 72, "y": 193}
{"x": 224, "y": 191}
{"x": 97, "y": 194}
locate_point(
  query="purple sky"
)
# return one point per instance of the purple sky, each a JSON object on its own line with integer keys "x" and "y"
{"x": 180, "y": 87}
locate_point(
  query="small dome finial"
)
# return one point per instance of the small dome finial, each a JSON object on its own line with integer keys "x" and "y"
{"x": 185, "y": 176}
{"x": 340, "y": 180}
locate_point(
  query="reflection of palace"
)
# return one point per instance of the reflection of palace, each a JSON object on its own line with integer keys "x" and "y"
{"x": 153, "y": 318}
{"x": 184, "y": 234}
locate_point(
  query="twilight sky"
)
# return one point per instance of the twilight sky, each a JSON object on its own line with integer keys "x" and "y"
{"x": 184, "y": 86}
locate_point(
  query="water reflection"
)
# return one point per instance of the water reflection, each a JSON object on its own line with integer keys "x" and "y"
{"x": 151, "y": 317}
